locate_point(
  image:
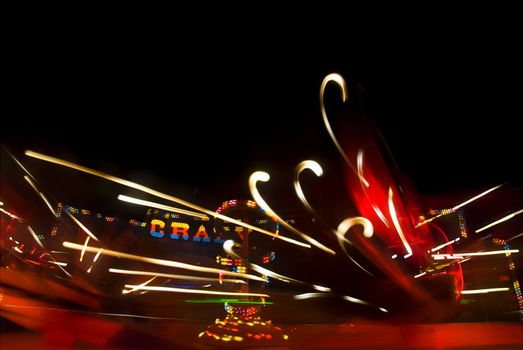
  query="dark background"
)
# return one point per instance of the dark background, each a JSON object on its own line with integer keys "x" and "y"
{"x": 194, "y": 114}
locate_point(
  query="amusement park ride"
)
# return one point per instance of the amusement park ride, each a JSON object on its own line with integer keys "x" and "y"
{"x": 174, "y": 264}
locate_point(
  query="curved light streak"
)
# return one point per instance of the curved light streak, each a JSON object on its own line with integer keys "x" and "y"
{"x": 362, "y": 302}
{"x": 169, "y": 275}
{"x": 162, "y": 262}
{"x": 150, "y": 204}
{"x": 397, "y": 225}
{"x": 193, "y": 291}
{"x": 345, "y": 226}
{"x": 316, "y": 169}
{"x": 264, "y": 177}
{"x": 364, "y": 183}
{"x": 159, "y": 194}
{"x": 338, "y": 79}
{"x": 228, "y": 246}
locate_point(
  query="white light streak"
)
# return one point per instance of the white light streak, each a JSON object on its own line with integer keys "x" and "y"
{"x": 476, "y": 197}
{"x": 314, "y": 167}
{"x": 85, "y": 229}
{"x": 33, "y": 185}
{"x": 35, "y": 236}
{"x": 264, "y": 177}
{"x": 193, "y": 291}
{"x": 321, "y": 288}
{"x": 514, "y": 237}
{"x": 162, "y": 262}
{"x": 345, "y": 226}
{"x": 420, "y": 274}
{"x": 160, "y": 206}
{"x": 168, "y": 275}
{"x": 12, "y": 216}
{"x": 396, "y": 223}
{"x": 158, "y": 194}
{"x": 483, "y": 291}
{"x": 508, "y": 217}
{"x": 444, "y": 245}
{"x": 84, "y": 247}
{"x": 305, "y": 296}
{"x": 462, "y": 255}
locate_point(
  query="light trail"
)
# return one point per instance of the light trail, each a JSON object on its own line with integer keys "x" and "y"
{"x": 162, "y": 262}
{"x": 364, "y": 183}
{"x": 476, "y": 197}
{"x": 345, "y": 226}
{"x": 194, "y": 291}
{"x": 33, "y": 185}
{"x": 35, "y": 237}
{"x": 168, "y": 275}
{"x": 158, "y": 194}
{"x": 462, "y": 255}
{"x": 483, "y": 291}
{"x": 508, "y": 217}
{"x": 264, "y": 177}
{"x": 443, "y": 245}
{"x": 397, "y": 225}
{"x": 338, "y": 79}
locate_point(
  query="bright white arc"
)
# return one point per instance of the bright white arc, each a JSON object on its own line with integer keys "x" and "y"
{"x": 397, "y": 225}
{"x": 264, "y": 177}
{"x": 316, "y": 169}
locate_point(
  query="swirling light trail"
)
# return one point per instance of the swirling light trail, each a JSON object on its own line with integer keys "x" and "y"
{"x": 264, "y": 177}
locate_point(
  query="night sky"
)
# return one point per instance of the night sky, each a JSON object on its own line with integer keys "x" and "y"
{"x": 199, "y": 118}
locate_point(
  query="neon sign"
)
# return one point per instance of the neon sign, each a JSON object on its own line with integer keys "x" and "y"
{"x": 177, "y": 230}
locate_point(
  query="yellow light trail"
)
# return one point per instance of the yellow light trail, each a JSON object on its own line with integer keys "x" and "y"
{"x": 228, "y": 248}
{"x": 397, "y": 225}
{"x": 160, "y": 206}
{"x": 35, "y": 236}
{"x": 94, "y": 260}
{"x": 33, "y": 185}
{"x": 462, "y": 255}
{"x": 194, "y": 291}
{"x": 158, "y": 194}
{"x": 168, "y": 275}
{"x": 82, "y": 226}
{"x": 264, "y": 177}
{"x": 12, "y": 216}
{"x": 508, "y": 217}
{"x": 345, "y": 226}
{"x": 127, "y": 291}
{"x": 162, "y": 262}
{"x": 476, "y": 197}
{"x": 443, "y": 245}
{"x": 84, "y": 247}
